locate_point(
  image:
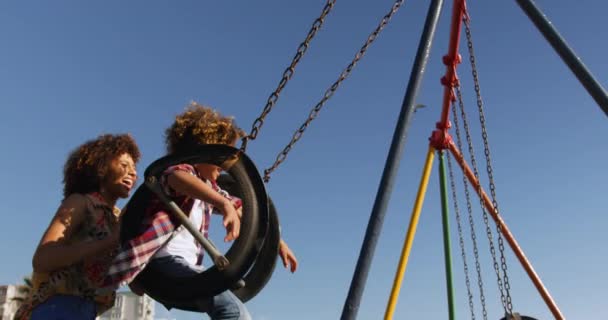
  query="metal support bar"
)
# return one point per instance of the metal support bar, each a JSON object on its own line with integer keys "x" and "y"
{"x": 219, "y": 260}
{"x": 451, "y": 61}
{"x": 443, "y": 183}
{"x": 409, "y": 238}
{"x": 558, "y": 43}
{"x": 506, "y": 233}
{"x": 351, "y": 305}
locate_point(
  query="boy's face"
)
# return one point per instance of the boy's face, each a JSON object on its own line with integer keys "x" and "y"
{"x": 208, "y": 171}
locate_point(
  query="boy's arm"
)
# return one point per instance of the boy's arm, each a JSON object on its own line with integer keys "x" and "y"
{"x": 237, "y": 203}
{"x": 191, "y": 186}
{"x": 53, "y": 252}
{"x": 287, "y": 257}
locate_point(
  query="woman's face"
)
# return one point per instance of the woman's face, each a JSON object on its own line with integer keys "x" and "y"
{"x": 121, "y": 176}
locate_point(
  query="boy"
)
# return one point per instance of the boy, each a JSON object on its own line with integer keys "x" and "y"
{"x": 180, "y": 256}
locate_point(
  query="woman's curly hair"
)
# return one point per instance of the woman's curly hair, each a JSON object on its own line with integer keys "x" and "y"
{"x": 88, "y": 164}
{"x": 200, "y": 125}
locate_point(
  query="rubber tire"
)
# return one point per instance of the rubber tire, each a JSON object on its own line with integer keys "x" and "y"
{"x": 241, "y": 254}
{"x": 268, "y": 248}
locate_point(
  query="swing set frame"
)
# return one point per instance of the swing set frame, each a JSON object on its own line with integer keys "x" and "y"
{"x": 440, "y": 141}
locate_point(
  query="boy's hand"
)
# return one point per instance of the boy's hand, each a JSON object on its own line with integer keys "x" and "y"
{"x": 232, "y": 222}
{"x": 287, "y": 256}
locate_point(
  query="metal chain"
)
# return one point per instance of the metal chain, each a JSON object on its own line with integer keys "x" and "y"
{"x": 483, "y": 209}
{"x": 484, "y": 134}
{"x": 461, "y": 239}
{"x": 471, "y": 220}
{"x": 331, "y": 90}
{"x": 287, "y": 74}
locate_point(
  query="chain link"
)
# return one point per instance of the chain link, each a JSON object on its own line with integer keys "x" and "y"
{"x": 461, "y": 240}
{"x": 332, "y": 89}
{"x": 470, "y": 216}
{"x": 483, "y": 208}
{"x": 484, "y": 134}
{"x": 287, "y": 74}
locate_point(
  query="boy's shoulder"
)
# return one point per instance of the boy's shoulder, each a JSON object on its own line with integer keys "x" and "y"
{"x": 180, "y": 167}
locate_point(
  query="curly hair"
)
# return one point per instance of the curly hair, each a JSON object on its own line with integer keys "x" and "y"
{"x": 87, "y": 165}
{"x": 200, "y": 125}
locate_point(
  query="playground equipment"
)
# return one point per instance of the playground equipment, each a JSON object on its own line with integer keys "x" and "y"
{"x": 249, "y": 263}
{"x": 440, "y": 141}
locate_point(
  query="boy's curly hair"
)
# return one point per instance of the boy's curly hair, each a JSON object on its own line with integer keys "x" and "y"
{"x": 200, "y": 125}
{"x": 87, "y": 165}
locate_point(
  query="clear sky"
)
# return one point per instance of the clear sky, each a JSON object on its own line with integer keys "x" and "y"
{"x": 71, "y": 70}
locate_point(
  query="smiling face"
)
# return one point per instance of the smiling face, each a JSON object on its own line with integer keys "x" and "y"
{"x": 121, "y": 176}
{"x": 208, "y": 171}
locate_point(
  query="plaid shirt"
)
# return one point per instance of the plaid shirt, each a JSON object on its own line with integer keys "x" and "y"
{"x": 157, "y": 227}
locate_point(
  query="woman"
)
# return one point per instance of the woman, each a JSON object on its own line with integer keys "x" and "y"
{"x": 80, "y": 242}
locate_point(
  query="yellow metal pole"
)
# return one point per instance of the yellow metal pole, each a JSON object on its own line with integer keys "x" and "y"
{"x": 411, "y": 232}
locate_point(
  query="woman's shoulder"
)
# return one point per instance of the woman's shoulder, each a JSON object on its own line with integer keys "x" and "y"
{"x": 73, "y": 208}
{"x": 86, "y": 202}
{"x": 77, "y": 200}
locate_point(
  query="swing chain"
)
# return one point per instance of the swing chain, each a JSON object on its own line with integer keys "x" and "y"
{"x": 331, "y": 90}
{"x": 287, "y": 74}
{"x": 486, "y": 221}
{"x": 501, "y": 247}
{"x": 469, "y": 203}
{"x": 461, "y": 238}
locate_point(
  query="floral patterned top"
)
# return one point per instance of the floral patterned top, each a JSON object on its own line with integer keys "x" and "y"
{"x": 85, "y": 277}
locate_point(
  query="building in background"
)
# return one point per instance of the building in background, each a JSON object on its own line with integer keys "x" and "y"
{"x": 10, "y": 299}
{"x": 129, "y": 306}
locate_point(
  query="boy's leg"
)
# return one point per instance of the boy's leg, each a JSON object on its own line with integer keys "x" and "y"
{"x": 174, "y": 266}
{"x": 225, "y": 306}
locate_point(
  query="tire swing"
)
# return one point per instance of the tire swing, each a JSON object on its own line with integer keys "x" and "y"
{"x": 267, "y": 247}
{"x": 241, "y": 254}
{"x": 252, "y": 257}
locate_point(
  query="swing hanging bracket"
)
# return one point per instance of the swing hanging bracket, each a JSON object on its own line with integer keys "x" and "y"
{"x": 440, "y": 138}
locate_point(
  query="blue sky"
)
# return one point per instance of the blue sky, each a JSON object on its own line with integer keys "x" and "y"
{"x": 72, "y": 70}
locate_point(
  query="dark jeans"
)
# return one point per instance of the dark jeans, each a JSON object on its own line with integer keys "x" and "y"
{"x": 63, "y": 307}
{"x": 224, "y": 306}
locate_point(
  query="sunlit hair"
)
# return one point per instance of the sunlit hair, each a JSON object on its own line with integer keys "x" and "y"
{"x": 88, "y": 164}
{"x": 200, "y": 125}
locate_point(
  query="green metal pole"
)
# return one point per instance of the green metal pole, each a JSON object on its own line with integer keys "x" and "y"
{"x": 446, "y": 233}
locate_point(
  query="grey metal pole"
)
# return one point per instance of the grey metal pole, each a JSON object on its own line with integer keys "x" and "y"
{"x": 351, "y": 306}
{"x": 558, "y": 43}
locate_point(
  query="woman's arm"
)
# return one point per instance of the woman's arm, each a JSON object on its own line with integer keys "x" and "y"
{"x": 53, "y": 252}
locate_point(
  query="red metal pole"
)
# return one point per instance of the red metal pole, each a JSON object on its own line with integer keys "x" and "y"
{"x": 451, "y": 60}
{"x": 506, "y": 233}
{"x": 450, "y": 79}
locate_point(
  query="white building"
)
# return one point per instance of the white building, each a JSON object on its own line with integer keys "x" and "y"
{"x": 129, "y": 306}
{"x": 8, "y": 306}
